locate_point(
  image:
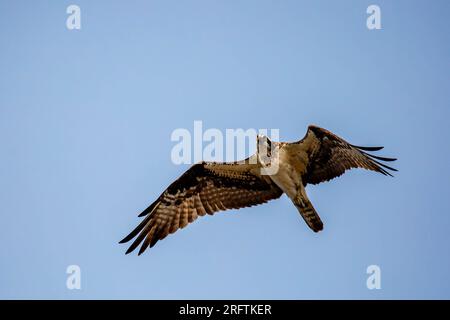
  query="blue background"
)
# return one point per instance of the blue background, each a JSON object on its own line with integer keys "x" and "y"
{"x": 85, "y": 124}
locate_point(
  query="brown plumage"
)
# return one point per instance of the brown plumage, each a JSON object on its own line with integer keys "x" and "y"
{"x": 209, "y": 187}
{"x": 331, "y": 156}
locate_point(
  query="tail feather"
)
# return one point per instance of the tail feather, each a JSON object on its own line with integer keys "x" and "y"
{"x": 309, "y": 214}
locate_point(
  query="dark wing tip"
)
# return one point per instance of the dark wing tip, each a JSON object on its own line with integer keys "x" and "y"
{"x": 154, "y": 241}
{"x": 149, "y": 209}
{"x": 382, "y": 158}
{"x": 142, "y": 225}
{"x": 130, "y": 249}
{"x": 150, "y": 242}
{"x": 127, "y": 238}
{"x": 142, "y": 249}
{"x": 378, "y": 157}
{"x": 386, "y": 173}
{"x": 367, "y": 148}
{"x": 383, "y": 165}
{"x": 133, "y": 246}
{"x": 374, "y": 159}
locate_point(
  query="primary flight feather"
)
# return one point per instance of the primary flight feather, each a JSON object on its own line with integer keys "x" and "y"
{"x": 209, "y": 187}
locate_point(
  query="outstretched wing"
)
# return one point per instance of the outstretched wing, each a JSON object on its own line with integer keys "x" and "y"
{"x": 203, "y": 189}
{"x": 329, "y": 156}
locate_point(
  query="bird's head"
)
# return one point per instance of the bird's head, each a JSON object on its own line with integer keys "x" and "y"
{"x": 264, "y": 149}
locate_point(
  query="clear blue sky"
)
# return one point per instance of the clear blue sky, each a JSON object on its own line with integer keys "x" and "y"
{"x": 85, "y": 124}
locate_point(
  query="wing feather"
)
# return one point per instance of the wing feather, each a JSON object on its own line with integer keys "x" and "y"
{"x": 205, "y": 188}
{"x": 329, "y": 156}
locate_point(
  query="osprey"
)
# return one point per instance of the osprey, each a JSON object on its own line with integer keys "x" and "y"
{"x": 209, "y": 187}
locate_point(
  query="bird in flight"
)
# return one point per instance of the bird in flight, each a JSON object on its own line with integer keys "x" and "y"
{"x": 209, "y": 187}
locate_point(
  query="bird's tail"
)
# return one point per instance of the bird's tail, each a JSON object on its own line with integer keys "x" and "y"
{"x": 308, "y": 213}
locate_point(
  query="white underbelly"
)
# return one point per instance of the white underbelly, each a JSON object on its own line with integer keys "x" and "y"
{"x": 287, "y": 180}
